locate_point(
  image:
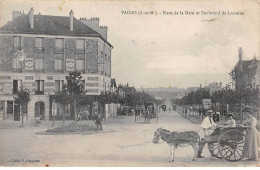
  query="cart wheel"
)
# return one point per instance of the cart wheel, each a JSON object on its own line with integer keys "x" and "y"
{"x": 232, "y": 143}
{"x": 215, "y": 152}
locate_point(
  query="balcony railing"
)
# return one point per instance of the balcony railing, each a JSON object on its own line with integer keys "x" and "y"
{"x": 59, "y": 50}
{"x": 59, "y": 70}
{"x": 81, "y": 70}
{"x": 39, "y": 49}
{"x": 38, "y": 92}
{"x": 39, "y": 70}
{"x": 80, "y": 51}
{"x": 18, "y": 70}
{"x": 17, "y": 48}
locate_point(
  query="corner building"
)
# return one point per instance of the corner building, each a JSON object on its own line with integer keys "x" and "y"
{"x": 38, "y": 52}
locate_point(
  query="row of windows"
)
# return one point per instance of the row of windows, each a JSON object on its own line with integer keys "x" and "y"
{"x": 39, "y": 85}
{"x": 59, "y": 44}
{"x": 59, "y": 65}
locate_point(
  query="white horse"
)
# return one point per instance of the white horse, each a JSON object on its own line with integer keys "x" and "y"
{"x": 175, "y": 139}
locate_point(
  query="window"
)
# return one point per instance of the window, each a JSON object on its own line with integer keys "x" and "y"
{"x": 59, "y": 63}
{"x": 59, "y": 45}
{"x": 16, "y": 85}
{"x": 58, "y": 85}
{"x": 80, "y": 45}
{"x": 39, "y": 46}
{"x": 39, "y": 65}
{"x": 39, "y": 62}
{"x": 80, "y": 62}
{"x": 39, "y": 87}
{"x": 17, "y": 65}
{"x": 17, "y": 43}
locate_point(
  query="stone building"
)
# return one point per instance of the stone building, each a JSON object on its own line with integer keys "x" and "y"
{"x": 248, "y": 72}
{"x": 38, "y": 51}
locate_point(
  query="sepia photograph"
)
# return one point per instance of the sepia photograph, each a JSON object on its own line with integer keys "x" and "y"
{"x": 125, "y": 83}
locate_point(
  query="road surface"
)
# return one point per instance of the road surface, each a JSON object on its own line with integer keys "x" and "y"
{"x": 122, "y": 143}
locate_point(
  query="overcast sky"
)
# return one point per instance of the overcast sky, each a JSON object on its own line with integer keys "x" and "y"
{"x": 165, "y": 50}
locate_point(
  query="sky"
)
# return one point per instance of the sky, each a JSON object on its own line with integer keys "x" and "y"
{"x": 165, "y": 50}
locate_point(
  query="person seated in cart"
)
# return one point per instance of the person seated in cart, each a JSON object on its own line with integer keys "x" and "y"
{"x": 230, "y": 121}
{"x": 210, "y": 130}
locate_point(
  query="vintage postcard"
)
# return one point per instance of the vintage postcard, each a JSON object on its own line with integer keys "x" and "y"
{"x": 129, "y": 83}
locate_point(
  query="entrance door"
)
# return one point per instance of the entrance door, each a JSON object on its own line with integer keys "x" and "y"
{"x": 39, "y": 110}
{"x": 10, "y": 110}
{"x": 16, "y": 112}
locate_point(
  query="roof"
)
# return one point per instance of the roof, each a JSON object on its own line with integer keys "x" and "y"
{"x": 49, "y": 25}
{"x": 126, "y": 89}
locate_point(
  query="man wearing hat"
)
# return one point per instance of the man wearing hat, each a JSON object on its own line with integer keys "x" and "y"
{"x": 208, "y": 126}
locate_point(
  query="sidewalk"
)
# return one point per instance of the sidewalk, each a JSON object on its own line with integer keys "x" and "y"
{"x": 197, "y": 121}
{"x": 10, "y": 124}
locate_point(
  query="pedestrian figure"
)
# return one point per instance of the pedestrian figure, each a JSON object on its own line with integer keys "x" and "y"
{"x": 203, "y": 112}
{"x": 99, "y": 121}
{"x": 251, "y": 149}
{"x": 208, "y": 126}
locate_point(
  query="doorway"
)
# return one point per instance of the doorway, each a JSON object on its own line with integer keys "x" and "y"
{"x": 39, "y": 110}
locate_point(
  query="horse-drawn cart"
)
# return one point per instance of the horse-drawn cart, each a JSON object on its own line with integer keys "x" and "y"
{"x": 146, "y": 113}
{"x": 224, "y": 143}
{"x": 228, "y": 143}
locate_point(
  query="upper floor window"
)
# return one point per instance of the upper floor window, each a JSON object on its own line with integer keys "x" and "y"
{"x": 16, "y": 86}
{"x": 39, "y": 87}
{"x": 80, "y": 45}
{"x": 17, "y": 43}
{"x": 58, "y": 85}
{"x": 39, "y": 62}
{"x": 59, "y": 45}
{"x": 59, "y": 63}
{"x": 39, "y": 44}
{"x": 80, "y": 62}
{"x": 18, "y": 63}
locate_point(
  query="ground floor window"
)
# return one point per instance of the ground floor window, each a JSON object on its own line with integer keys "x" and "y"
{"x": 39, "y": 110}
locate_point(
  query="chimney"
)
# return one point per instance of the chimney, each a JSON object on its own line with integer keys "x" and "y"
{"x": 31, "y": 18}
{"x": 103, "y": 31}
{"x": 93, "y": 23}
{"x": 16, "y": 14}
{"x": 71, "y": 20}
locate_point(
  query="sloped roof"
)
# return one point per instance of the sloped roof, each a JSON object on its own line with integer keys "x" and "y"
{"x": 49, "y": 25}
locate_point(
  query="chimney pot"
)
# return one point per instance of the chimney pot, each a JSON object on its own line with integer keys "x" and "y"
{"x": 71, "y": 20}
{"x": 31, "y": 18}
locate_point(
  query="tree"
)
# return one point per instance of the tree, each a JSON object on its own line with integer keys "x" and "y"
{"x": 64, "y": 98}
{"x": 22, "y": 98}
{"x": 74, "y": 88}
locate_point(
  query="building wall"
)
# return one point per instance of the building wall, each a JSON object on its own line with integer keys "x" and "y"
{"x": 92, "y": 52}
{"x": 95, "y": 82}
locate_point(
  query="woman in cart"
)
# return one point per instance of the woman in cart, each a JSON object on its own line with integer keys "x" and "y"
{"x": 251, "y": 149}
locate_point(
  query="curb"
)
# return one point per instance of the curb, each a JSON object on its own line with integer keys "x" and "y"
{"x": 188, "y": 118}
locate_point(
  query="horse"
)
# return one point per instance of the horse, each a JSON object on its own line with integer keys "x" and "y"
{"x": 175, "y": 139}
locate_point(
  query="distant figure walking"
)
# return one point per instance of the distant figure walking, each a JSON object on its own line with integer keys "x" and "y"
{"x": 99, "y": 121}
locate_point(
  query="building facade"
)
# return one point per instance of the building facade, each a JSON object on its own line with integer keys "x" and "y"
{"x": 38, "y": 52}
